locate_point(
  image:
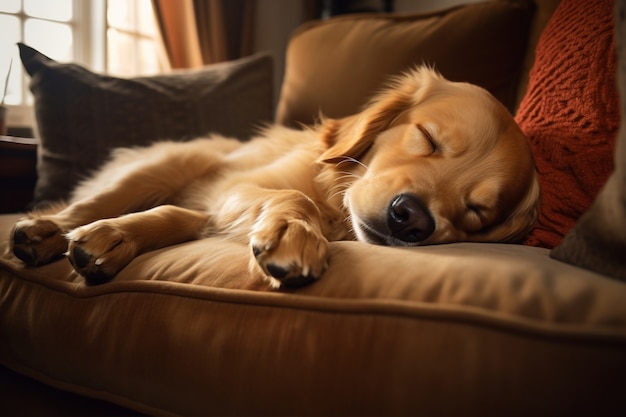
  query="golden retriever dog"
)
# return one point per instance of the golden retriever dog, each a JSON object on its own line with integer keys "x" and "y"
{"x": 428, "y": 161}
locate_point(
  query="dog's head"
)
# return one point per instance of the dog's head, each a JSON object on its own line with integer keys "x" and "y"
{"x": 435, "y": 161}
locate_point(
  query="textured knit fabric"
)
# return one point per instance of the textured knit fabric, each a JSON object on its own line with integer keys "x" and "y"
{"x": 598, "y": 241}
{"x": 570, "y": 114}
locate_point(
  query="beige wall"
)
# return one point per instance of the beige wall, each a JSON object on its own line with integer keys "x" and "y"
{"x": 276, "y": 20}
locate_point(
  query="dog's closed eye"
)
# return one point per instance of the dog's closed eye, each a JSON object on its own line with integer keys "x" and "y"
{"x": 429, "y": 137}
{"x": 421, "y": 142}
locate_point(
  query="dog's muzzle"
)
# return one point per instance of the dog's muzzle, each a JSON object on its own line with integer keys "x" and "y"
{"x": 408, "y": 223}
{"x": 409, "y": 220}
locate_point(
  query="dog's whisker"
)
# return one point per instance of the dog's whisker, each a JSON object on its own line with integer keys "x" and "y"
{"x": 354, "y": 161}
{"x": 344, "y": 181}
{"x": 346, "y": 174}
{"x": 332, "y": 195}
{"x": 337, "y": 190}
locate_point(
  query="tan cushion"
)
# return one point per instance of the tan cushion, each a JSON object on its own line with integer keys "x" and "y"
{"x": 386, "y": 331}
{"x": 334, "y": 66}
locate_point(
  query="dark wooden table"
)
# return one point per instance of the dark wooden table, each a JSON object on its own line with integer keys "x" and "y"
{"x": 18, "y": 172}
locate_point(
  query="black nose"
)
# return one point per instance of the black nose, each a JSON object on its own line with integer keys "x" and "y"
{"x": 408, "y": 219}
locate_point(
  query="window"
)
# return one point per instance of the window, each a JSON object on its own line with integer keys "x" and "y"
{"x": 131, "y": 33}
{"x": 114, "y": 36}
{"x": 47, "y": 26}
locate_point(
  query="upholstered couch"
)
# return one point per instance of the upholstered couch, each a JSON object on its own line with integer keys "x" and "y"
{"x": 457, "y": 329}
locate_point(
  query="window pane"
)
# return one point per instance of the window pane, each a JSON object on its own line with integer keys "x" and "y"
{"x": 10, "y": 36}
{"x": 10, "y": 6}
{"x": 60, "y": 10}
{"x": 52, "y": 39}
{"x": 146, "y": 24}
{"x": 121, "y": 53}
{"x": 148, "y": 57}
{"x": 121, "y": 14}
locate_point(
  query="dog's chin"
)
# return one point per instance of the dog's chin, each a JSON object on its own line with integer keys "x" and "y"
{"x": 369, "y": 233}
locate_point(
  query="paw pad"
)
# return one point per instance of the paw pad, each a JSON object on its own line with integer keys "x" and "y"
{"x": 98, "y": 251}
{"x": 292, "y": 254}
{"x": 37, "y": 242}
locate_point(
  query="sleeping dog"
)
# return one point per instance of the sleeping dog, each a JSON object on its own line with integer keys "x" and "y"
{"x": 427, "y": 161}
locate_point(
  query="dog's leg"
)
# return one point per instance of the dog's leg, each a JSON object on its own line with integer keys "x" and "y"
{"x": 136, "y": 181}
{"x": 38, "y": 238}
{"x": 285, "y": 236}
{"x": 99, "y": 250}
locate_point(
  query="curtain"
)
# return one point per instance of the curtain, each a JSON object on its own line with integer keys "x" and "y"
{"x": 200, "y": 32}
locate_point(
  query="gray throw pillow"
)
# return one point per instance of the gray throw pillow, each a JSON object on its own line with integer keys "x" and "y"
{"x": 81, "y": 115}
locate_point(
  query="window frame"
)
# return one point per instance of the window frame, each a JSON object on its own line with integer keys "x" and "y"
{"x": 89, "y": 33}
{"x": 138, "y": 36}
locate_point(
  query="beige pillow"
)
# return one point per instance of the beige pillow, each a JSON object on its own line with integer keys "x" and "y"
{"x": 333, "y": 66}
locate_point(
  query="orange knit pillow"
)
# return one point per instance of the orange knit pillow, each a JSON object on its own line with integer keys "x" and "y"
{"x": 570, "y": 114}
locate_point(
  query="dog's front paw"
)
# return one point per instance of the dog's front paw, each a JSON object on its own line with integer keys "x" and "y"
{"x": 98, "y": 251}
{"x": 37, "y": 241}
{"x": 292, "y": 253}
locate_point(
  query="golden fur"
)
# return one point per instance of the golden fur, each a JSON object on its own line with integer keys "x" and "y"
{"x": 427, "y": 161}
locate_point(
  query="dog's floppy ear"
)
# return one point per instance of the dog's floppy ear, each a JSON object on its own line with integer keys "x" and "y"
{"x": 352, "y": 136}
